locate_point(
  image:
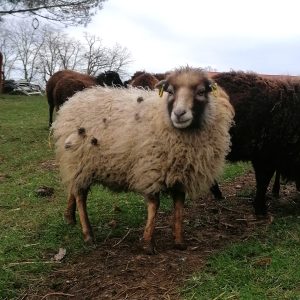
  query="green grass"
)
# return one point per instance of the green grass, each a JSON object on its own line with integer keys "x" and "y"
{"x": 33, "y": 229}
{"x": 235, "y": 169}
{"x": 265, "y": 267}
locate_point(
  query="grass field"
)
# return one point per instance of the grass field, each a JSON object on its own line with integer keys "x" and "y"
{"x": 33, "y": 229}
{"x": 265, "y": 267}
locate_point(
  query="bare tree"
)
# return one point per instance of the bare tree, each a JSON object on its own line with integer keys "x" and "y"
{"x": 58, "y": 51}
{"x": 210, "y": 69}
{"x": 70, "y": 53}
{"x": 36, "y": 54}
{"x": 68, "y": 12}
{"x": 100, "y": 58}
{"x": 120, "y": 59}
{"x": 27, "y": 44}
{"x": 95, "y": 54}
{"x": 48, "y": 59}
{"x": 9, "y": 54}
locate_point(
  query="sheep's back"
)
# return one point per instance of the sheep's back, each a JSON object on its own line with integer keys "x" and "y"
{"x": 110, "y": 116}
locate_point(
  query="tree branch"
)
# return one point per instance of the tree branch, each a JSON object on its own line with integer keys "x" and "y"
{"x": 12, "y": 11}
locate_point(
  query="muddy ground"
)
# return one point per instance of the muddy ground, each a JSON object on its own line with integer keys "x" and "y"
{"x": 118, "y": 269}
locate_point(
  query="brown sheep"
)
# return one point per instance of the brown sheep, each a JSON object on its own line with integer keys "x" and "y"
{"x": 267, "y": 128}
{"x": 161, "y": 76}
{"x": 145, "y": 80}
{"x": 64, "y": 84}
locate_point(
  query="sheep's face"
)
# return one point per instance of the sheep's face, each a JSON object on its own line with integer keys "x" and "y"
{"x": 188, "y": 95}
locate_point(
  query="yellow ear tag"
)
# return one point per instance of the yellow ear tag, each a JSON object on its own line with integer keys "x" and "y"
{"x": 214, "y": 89}
{"x": 161, "y": 91}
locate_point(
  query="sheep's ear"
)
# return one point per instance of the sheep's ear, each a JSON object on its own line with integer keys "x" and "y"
{"x": 162, "y": 86}
{"x": 210, "y": 86}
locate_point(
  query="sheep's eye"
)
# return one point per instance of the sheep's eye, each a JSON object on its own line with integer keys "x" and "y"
{"x": 201, "y": 93}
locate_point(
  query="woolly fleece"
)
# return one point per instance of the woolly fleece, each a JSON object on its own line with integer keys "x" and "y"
{"x": 128, "y": 144}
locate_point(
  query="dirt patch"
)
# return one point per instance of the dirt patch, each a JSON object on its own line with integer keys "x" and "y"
{"x": 49, "y": 165}
{"x": 118, "y": 269}
{"x": 4, "y": 177}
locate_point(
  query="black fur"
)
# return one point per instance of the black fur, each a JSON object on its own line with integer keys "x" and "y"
{"x": 94, "y": 141}
{"x": 81, "y": 131}
{"x": 267, "y": 130}
{"x": 109, "y": 78}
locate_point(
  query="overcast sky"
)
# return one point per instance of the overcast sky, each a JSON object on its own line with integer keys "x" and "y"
{"x": 258, "y": 35}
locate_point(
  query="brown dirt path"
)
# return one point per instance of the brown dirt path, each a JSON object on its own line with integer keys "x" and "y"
{"x": 118, "y": 269}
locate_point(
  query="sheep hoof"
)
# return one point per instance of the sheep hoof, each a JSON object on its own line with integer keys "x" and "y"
{"x": 88, "y": 239}
{"x": 180, "y": 246}
{"x": 261, "y": 211}
{"x": 70, "y": 219}
{"x": 220, "y": 198}
{"x": 275, "y": 195}
{"x": 149, "y": 248}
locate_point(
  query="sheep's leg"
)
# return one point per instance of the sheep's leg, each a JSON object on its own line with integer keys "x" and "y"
{"x": 276, "y": 185}
{"x": 178, "y": 199}
{"x": 51, "y": 109}
{"x": 298, "y": 185}
{"x": 71, "y": 209}
{"x": 153, "y": 205}
{"x": 263, "y": 175}
{"x": 87, "y": 231}
{"x": 215, "y": 190}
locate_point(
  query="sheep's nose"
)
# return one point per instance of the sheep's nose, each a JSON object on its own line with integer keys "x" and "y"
{"x": 179, "y": 112}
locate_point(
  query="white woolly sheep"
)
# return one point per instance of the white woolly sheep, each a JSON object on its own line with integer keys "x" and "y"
{"x": 132, "y": 139}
